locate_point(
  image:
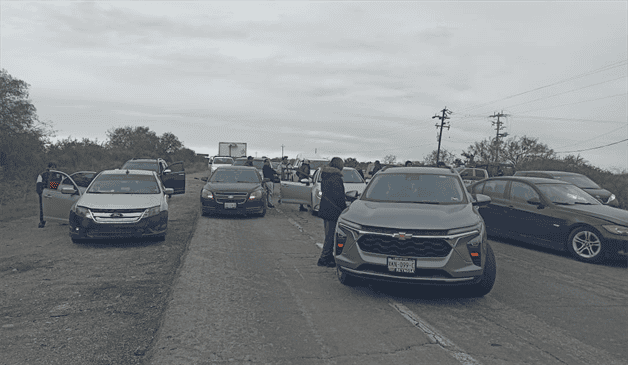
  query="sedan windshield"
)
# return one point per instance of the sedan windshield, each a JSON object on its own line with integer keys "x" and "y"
{"x": 235, "y": 176}
{"x": 139, "y": 165}
{"x": 125, "y": 184}
{"x": 351, "y": 176}
{"x": 567, "y": 194}
{"x": 415, "y": 188}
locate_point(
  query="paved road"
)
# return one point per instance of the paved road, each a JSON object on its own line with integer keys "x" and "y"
{"x": 249, "y": 291}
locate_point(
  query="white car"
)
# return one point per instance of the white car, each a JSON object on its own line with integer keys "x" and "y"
{"x": 308, "y": 191}
{"x": 220, "y": 161}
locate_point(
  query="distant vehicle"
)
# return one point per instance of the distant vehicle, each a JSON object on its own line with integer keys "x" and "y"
{"x": 470, "y": 175}
{"x": 554, "y": 214}
{"x": 581, "y": 181}
{"x": 234, "y": 190}
{"x": 415, "y": 224}
{"x": 220, "y": 161}
{"x": 309, "y": 194}
{"x": 117, "y": 204}
{"x": 172, "y": 176}
{"x": 232, "y": 149}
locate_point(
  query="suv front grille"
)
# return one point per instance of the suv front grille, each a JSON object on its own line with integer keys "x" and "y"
{"x": 231, "y": 197}
{"x": 417, "y": 247}
{"x": 414, "y": 232}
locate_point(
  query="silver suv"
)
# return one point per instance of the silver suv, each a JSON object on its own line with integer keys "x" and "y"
{"x": 415, "y": 224}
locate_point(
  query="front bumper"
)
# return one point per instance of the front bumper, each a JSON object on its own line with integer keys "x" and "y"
{"x": 247, "y": 207}
{"x": 440, "y": 260}
{"x": 154, "y": 226}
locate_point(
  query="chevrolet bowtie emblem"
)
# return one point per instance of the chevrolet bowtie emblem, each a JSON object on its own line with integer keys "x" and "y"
{"x": 116, "y": 215}
{"x": 230, "y": 196}
{"x": 402, "y": 236}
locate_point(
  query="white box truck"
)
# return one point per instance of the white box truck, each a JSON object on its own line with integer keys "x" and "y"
{"x": 233, "y": 149}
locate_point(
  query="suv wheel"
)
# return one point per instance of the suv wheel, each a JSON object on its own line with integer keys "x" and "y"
{"x": 485, "y": 285}
{"x": 586, "y": 244}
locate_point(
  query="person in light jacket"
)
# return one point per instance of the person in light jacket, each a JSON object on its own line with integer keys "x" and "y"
{"x": 332, "y": 204}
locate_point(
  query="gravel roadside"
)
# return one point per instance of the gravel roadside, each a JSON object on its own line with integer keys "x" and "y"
{"x": 88, "y": 303}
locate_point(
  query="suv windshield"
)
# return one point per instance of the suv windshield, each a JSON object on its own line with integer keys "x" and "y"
{"x": 564, "y": 194}
{"x": 316, "y": 164}
{"x": 223, "y": 160}
{"x": 235, "y": 176}
{"x": 124, "y": 184}
{"x": 141, "y": 165}
{"x": 415, "y": 188}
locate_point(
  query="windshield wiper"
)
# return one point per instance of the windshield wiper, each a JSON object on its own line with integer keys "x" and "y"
{"x": 583, "y": 203}
{"x": 562, "y": 203}
{"x": 426, "y": 202}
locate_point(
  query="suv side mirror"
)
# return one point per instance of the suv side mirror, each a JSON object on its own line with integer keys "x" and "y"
{"x": 69, "y": 191}
{"x": 352, "y": 195}
{"x": 167, "y": 171}
{"x": 536, "y": 201}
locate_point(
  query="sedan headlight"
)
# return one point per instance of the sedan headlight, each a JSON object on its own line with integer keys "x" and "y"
{"x": 82, "y": 212}
{"x": 207, "y": 194}
{"x": 152, "y": 211}
{"x": 616, "y": 229}
{"x": 257, "y": 194}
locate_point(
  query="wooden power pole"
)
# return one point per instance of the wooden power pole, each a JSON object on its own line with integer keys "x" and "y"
{"x": 442, "y": 124}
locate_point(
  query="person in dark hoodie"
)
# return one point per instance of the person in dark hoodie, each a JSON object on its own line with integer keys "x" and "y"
{"x": 332, "y": 204}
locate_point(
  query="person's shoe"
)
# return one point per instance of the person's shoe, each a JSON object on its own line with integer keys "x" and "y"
{"x": 42, "y": 224}
{"x": 270, "y": 205}
{"x": 302, "y": 208}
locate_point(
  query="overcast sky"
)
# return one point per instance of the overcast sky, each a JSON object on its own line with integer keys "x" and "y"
{"x": 349, "y": 79}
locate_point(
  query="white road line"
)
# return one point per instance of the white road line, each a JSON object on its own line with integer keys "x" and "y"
{"x": 435, "y": 337}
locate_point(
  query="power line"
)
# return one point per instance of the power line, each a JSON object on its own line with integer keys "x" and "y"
{"x": 595, "y": 148}
{"x": 578, "y": 102}
{"x": 601, "y": 69}
{"x": 590, "y": 139}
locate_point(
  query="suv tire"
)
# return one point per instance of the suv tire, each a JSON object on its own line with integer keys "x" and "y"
{"x": 487, "y": 280}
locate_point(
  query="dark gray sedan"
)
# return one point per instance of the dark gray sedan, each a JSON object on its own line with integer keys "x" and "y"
{"x": 553, "y": 213}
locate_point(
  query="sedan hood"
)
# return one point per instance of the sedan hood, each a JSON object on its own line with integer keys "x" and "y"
{"x": 119, "y": 201}
{"x": 411, "y": 215}
{"x": 232, "y": 187}
{"x": 613, "y": 215}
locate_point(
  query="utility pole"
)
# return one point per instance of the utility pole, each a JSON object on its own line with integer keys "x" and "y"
{"x": 442, "y": 124}
{"x": 498, "y": 125}
{"x": 282, "y": 146}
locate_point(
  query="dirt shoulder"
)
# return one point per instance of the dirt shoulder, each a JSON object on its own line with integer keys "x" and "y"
{"x": 88, "y": 303}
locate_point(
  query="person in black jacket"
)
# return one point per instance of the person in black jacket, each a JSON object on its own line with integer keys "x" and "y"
{"x": 269, "y": 176}
{"x": 43, "y": 180}
{"x": 332, "y": 204}
{"x": 303, "y": 173}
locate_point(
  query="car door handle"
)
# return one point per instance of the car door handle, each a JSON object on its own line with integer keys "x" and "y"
{"x": 181, "y": 174}
{"x": 48, "y": 196}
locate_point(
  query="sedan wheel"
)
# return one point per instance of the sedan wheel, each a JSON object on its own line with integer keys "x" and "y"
{"x": 585, "y": 244}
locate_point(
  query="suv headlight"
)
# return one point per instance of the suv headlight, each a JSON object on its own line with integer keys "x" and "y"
{"x": 257, "y": 194}
{"x": 152, "y": 211}
{"x": 207, "y": 194}
{"x": 617, "y": 229}
{"x": 611, "y": 198}
{"x": 83, "y": 212}
{"x": 474, "y": 237}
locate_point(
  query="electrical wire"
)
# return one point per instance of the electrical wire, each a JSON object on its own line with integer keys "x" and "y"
{"x": 595, "y": 148}
{"x": 590, "y": 139}
{"x": 578, "y": 102}
{"x": 601, "y": 69}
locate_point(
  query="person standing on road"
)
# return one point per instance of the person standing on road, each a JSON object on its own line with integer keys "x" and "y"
{"x": 332, "y": 204}
{"x": 303, "y": 173}
{"x": 284, "y": 168}
{"x": 269, "y": 175}
{"x": 249, "y": 161}
{"x": 408, "y": 163}
{"x": 42, "y": 183}
{"x": 376, "y": 168}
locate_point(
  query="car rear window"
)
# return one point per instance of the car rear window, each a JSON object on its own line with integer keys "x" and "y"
{"x": 124, "y": 184}
{"x": 141, "y": 165}
{"x": 580, "y": 181}
{"x": 223, "y": 160}
{"x": 416, "y": 188}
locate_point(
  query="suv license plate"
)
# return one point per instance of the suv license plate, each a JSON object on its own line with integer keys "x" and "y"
{"x": 231, "y": 205}
{"x": 398, "y": 264}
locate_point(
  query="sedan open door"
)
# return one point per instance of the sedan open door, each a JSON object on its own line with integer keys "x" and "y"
{"x": 296, "y": 192}
{"x": 59, "y": 194}
{"x": 174, "y": 177}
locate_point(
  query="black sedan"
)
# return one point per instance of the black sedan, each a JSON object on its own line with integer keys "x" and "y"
{"x": 554, "y": 214}
{"x": 234, "y": 189}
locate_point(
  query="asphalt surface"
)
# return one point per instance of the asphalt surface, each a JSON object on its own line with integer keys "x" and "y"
{"x": 249, "y": 291}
